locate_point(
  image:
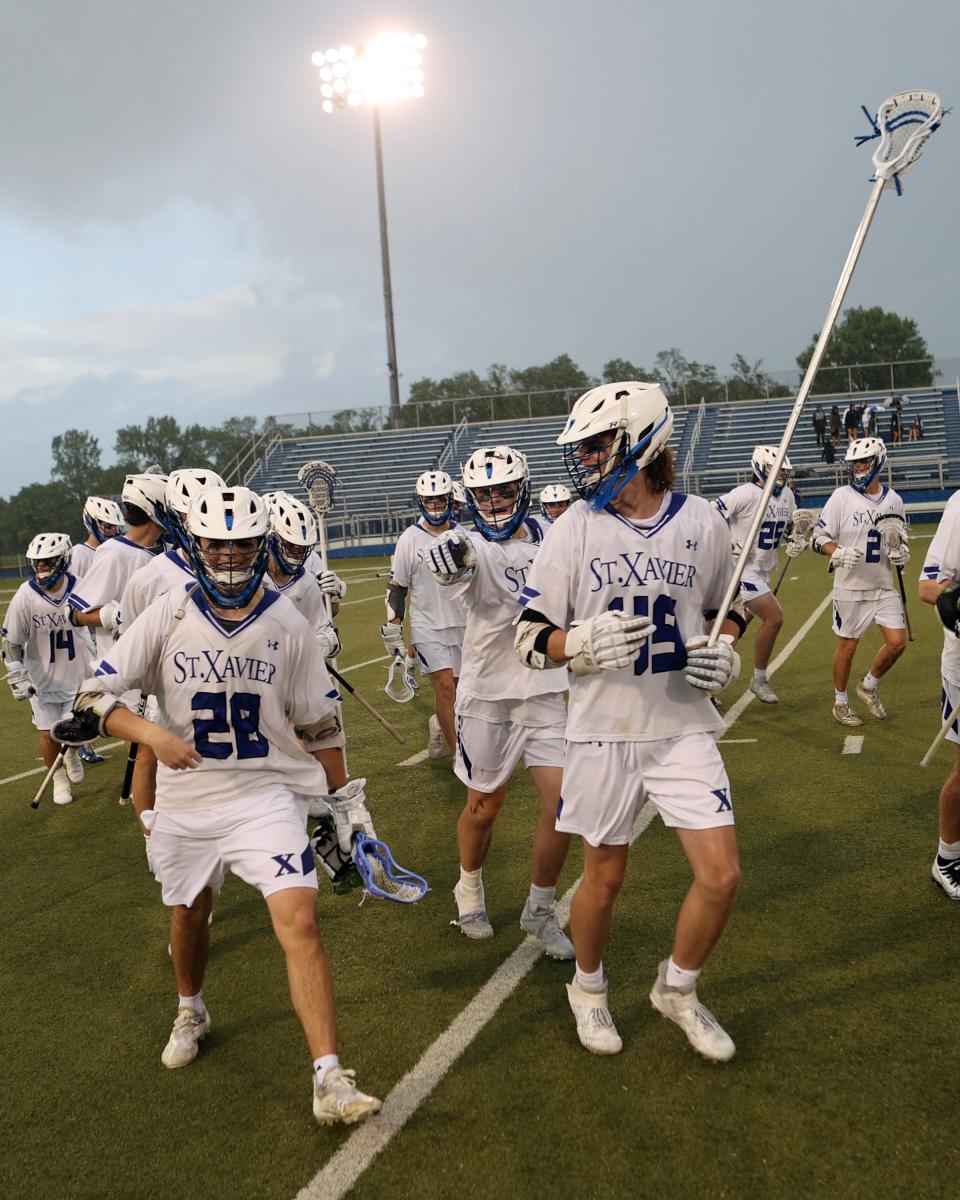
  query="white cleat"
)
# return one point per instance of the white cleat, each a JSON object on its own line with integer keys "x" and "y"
{"x": 72, "y": 765}
{"x": 472, "y": 919}
{"x": 871, "y": 698}
{"x": 845, "y": 715}
{"x": 189, "y": 1029}
{"x": 437, "y": 743}
{"x": 541, "y": 923}
{"x": 595, "y": 1027}
{"x": 946, "y": 874}
{"x": 61, "y": 788}
{"x": 763, "y": 691}
{"x": 338, "y": 1099}
{"x": 704, "y": 1032}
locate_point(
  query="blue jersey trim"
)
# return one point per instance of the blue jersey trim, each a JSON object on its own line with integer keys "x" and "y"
{"x": 71, "y": 580}
{"x": 677, "y": 501}
{"x": 178, "y": 561}
{"x": 127, "y": 542}
{"x": 231, "y": 628}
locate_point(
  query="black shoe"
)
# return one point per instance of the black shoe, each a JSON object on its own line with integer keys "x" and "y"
{"x": 89, "y": 755}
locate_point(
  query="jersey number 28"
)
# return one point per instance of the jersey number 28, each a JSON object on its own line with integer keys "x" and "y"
{"x": 244, "y": 725}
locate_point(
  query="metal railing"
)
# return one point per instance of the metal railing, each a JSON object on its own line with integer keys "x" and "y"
{"x": 688, "y": 459}
{"x": 451, "y": 447}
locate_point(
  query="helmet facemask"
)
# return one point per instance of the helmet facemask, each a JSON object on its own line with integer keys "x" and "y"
{"x": 288, "y": 556}
{"x": 499, "y": 509}
{"x": 436, "y": 510}
{"x": 47, "y": 572}
{"x": 229, "y": 570}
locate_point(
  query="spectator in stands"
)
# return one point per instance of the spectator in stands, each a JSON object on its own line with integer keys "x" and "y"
{"x": 819, "y": 424}
{"x": 871, "y": 430}
{"x": 916, "y": 429}
{"x": 851, "y": 422}
{"x": 835, "y": 423}
{"x": 829, "y": 451}
{"x": 896, "y": 427}
{"x": 863, "y": 418}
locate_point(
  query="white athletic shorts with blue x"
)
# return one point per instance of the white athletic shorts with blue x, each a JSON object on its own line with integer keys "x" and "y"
{"x": 754, "y": 584}
{"x": 605, "y": 785}
{"x": 435, "y": 656}
{"x": 852, "y": 618}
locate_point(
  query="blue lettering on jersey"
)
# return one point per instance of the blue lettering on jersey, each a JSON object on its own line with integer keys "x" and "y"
{"x": 56, "y": 620}
{"x": 216, "y": 666}
{"x": 516, "y": 577}
{"x": 639, "y": 567}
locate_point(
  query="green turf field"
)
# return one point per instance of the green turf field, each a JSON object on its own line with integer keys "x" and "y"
{"x": 835, "y": 979}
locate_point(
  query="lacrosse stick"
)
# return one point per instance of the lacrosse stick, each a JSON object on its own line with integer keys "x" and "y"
{"x": 381, "y": 875}
{"x": 891, "y": 527}
{"x": 391, "y": 729}
{"x": 35, "y": 802}
{"x": 802, "y": 523}
{"x": 319, "y": 480}
{"x": 398, "y": 686}
{"x": 127, "y": 785}
{"x": 945, "y": 728}
{"x": 903, "y": 124}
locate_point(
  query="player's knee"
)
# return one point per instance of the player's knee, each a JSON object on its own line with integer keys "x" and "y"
{"x": 895, "y": 649}
{"x": 443, "y": 687}
{"x": 483, "y": 807}
{"x": 721, "y": 881}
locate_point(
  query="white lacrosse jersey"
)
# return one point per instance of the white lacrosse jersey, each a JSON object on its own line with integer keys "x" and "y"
{"x": 56, "y": 656}
{"x": 943, "y": 562}
{"x": 849, "y": 519}
{"x": 314, "y": 563}
{"x": 303, "y": 591}
{"x": 81, "y": 556}
{"x": 156, "y": 577}
{"x": 490, "y": 668}
{"x": 675, "y": 568}
{"x": 738, "y": 507}
{"x": 114, "y": 561}
{"x": 435, "y": 614}
{"x": 234, "y": 690}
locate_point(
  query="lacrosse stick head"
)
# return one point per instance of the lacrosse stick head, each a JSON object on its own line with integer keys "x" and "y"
{"x": 864, "y": 459}
{"x": 903, "y": 124}
{"x": 382, "y": 876}
{"x": 398, "y": 686}
{"x": 319, "y": 480}
{"x": 892, "y": 529}
{"x": 803, "y": 521}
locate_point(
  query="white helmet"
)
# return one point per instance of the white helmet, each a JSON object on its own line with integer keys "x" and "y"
{"x": 762, "y": 462}
{"x": 228, "y": 515}
{"x": 52, "y": 551}
{"x": 182, "y": 488}
{"x": 490, "y": 467}
{"x": 869, "y": 453}
{"x": 292, "y": 524}
{"x": 434, "y": 485}
{"x": 459, "y": 495}
{"x": 555, "y": 497}
{"x": 270, "y": 498}
{"x": 146, "y": 492}
{"x": 98, "y": 513}
{"x": 640, "y": 419}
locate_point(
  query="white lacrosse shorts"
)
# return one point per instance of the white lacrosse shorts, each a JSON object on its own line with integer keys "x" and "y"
{"x": 949, "y": 698}
{"x": 753, "y": 585}
{"x": 435, "y": 656}
{"x": 488, "y": 752}
{"x": 47, "y": 711}
{"x": 605, "y": 785}
{"x": 262, "y": 839}
{"x": 853, "y": 618}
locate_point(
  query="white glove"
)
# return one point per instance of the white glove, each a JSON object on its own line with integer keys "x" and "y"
{"x": 845, "y": 556}
{"x": 393, "y": 638}
{"x": 110, "y": 618}
{"x": 329, "y": 641}
{"x": 796, "y": 546}
{"x": 606, "y": 642}
{"x": 451, "y": 558}
{"x": 711, "y": 667}
{"x": 19, "y": 682}
{"x": 332, "y": 585}
{"x": 899, "y": 555}
{"x": 350, "y": 813}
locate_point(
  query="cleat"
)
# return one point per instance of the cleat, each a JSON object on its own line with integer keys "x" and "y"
{"x": 704, "y": 1032}
{"x": 845, "y": 715}
{"x": 763, "y": 691}
{"x": 72, "y": 765}
{"x": 946, "y": 874}
{"x": 474, "y": 922}
{"x": 338, "y": 1099}
{"x": 189, "y": 1029}
{"x": 595, "y": 1027}
{"x": 541, "y": 923}
{"x": 89, "y": 755}
{"x": 437, "y": 743}
{"x": 871, "y": 698}
{"x": 61, "y": 788}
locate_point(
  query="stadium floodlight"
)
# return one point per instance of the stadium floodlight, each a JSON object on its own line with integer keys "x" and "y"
{"x": 388, "y": 70}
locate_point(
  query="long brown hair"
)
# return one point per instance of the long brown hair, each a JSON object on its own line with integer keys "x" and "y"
{"x": 661, "y": 473}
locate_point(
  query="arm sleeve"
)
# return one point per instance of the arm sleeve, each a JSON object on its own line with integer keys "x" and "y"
{"x": 313, "y": 694}
{"x": 550, "y": 587}
{"x": 16, "y": 622}
{"x": 132, "y": 662}
{"x": 830, "y": 518}
{"x": 943, "y": 556}
{"x": 722, "y": 565}
{"x": 400, "y": 562}
{"x": 100, "y": 584}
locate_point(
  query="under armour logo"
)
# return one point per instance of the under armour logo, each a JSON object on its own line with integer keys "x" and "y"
{"x": 691, "y": 545}
{"x": 284, "y": 864}
{"x": 271, "y": 645}
{"x": 725, "y": 802}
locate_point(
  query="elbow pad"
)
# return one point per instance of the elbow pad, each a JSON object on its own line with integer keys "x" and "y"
{"x": 819, "y": 540}
{"x": 95, "y": 707}
{"x": 322, "y": 734}
{"x": 12, "y": 652}
{"x": 396, "y": 601}
{"x": 530, "y": 641}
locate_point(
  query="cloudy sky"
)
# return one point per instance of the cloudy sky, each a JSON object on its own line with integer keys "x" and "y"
{"x": 183, "y": 231}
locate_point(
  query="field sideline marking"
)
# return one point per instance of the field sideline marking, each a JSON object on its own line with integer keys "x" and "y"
{"x": 338, "y": 1175}
{"x": 42, "y": 770}
{"x": 852, "y": 744}
{"x": 419, "y": 757}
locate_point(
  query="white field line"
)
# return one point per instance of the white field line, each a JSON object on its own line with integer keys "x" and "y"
{"x": 852, "y": 744}
{"x": 369, "y": 662}
{"x": 419, "y": 757}
{"x": 342, "y": 1171}
{"x": 362, "y": 600}
{"x": 43, "y": 770}
{"x": 737, "y": 741}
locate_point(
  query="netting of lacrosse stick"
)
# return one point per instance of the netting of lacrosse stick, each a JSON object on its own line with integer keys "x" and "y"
{"x": 319, "y": 479}
{"x": 903, "y": 124}
{"x": 382, "y": 876}
{"x": 398, "y": 686}
{"x": 802, "y": 521}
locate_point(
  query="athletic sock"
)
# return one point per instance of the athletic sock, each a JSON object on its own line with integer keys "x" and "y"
{"x": 870, "y": 681}
{"x": 590, "y": 981}
{"x": 841, "y": 698}
{"x": 679, "y": 977}
{"x": 948, "y": 851}
{"x": 760, "y": 675}
{"x": 469, "y": 891}
{"x": 322, "y": 1065}
{"x": 541, "y": 897}
{"x": 192, "y": 1002}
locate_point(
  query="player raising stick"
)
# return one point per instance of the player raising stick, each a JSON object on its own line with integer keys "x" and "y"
{"x": 620, "y": 592}
{"x": 850, "y": 533}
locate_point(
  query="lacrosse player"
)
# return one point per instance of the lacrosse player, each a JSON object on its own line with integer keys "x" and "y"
{"x": 738, "y": 508}
{"x": 940, "y": 585}
{"x": 459, "y": 510}
{"x": 620, "y": 592}
{"x": 505, "y": 715}
{"x": 437, "y": 619}
{"x": 331, "y": 586}
{"x": 554, "y": 500}
{"x": 46, "y": 658}
{"x": 239, "y": 677}
{"x": 862, "y": 529}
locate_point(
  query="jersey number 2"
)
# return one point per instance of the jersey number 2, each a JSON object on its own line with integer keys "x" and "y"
{"x": 244, "y": 724}
{"x": 667, "y": 634}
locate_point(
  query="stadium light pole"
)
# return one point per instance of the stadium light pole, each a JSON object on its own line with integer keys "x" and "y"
{"x": 387, "y": 71}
